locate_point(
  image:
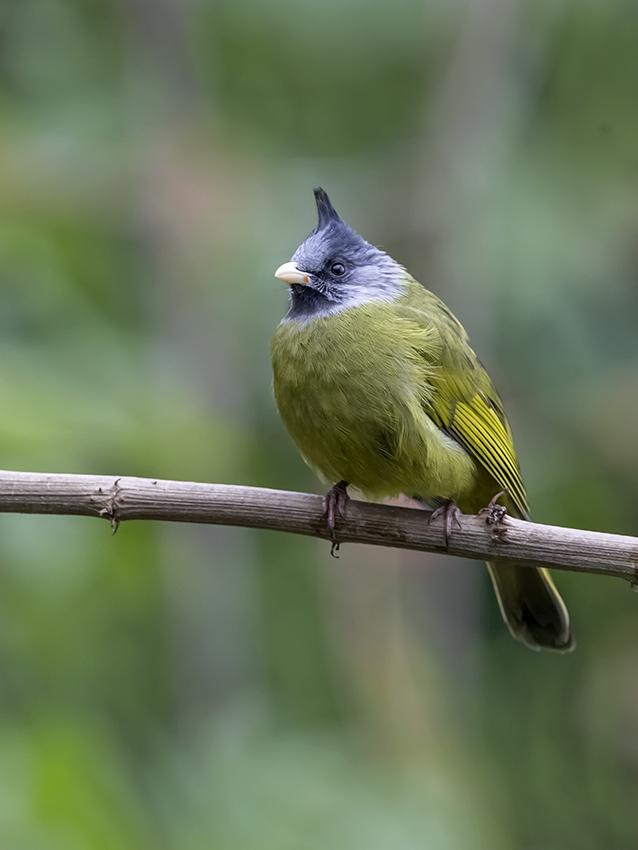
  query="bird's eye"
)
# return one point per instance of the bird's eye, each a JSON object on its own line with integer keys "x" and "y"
{"x": 338, "y": 269}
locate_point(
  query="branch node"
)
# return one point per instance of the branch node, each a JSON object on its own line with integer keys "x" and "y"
{"x": 110, "y": 509}
{"x": 495, "y": 515}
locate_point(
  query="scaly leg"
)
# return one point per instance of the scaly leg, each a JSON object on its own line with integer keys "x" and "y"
{"x": 449, "y": 510}
{"x": 334, "y": 502}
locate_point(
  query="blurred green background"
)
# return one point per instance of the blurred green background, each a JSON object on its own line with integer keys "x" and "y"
{"x": 178, "y": 687}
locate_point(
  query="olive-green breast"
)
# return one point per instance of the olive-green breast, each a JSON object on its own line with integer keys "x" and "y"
{"x": 353, "y": 389}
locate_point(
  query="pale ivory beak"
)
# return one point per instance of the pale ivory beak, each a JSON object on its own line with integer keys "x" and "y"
{"x": 289, "y": 273}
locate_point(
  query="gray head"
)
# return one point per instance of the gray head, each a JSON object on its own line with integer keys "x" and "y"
{"x": 335, "y": 268}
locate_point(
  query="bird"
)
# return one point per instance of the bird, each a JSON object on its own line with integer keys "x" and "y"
{"x": 376, "y": 382}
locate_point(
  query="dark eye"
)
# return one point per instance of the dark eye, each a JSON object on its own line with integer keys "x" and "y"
{"x": 338, "y": 269}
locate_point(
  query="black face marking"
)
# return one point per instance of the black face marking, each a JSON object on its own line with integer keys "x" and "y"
{"x": 343, "y": 269}
{"x": 307, "y": 301}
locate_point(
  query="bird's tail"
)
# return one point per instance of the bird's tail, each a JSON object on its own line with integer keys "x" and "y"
{"x": 531, "y": 606}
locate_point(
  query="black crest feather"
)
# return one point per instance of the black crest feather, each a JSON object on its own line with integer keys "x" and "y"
{"x": 326, "y": 212}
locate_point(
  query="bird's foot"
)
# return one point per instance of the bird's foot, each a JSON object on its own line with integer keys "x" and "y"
{"x": 450, "y": 512}
{"x": 494, "y": 514}
{"x": 334, "y": 502}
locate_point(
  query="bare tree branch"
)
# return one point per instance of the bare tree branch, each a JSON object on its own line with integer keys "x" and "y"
{"x": 118, "y": 499}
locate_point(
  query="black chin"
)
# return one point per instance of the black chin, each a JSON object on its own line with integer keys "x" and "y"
{"x": 306, "y": 301}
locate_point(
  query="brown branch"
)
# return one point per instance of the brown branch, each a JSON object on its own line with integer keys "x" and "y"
{"x": 121, "y": 498}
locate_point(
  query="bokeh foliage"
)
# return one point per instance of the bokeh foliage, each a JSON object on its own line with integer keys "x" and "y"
{"x": 214, "y": 688}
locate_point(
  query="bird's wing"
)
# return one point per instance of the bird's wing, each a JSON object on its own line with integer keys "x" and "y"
{"x": 466, "y": 404}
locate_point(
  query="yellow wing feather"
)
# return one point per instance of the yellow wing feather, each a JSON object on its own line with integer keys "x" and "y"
{"x": 476, "y": 425}
{"x": 466, "y": 404}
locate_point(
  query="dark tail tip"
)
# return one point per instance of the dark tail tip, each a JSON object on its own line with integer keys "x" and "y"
{"x": 532, "y": 608}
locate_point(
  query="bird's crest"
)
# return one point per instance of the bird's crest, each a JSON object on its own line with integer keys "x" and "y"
{"x": 326, "y": 212}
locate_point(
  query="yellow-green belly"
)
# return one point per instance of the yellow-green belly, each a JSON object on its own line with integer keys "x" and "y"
{"x": 355, "y": 402}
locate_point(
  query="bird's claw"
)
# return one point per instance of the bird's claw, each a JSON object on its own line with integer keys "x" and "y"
{"x": 450, "y": 512}
{"x": 334, "y": 502}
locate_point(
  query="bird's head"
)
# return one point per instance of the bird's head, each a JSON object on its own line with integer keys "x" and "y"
{"x": 335, "y": 268}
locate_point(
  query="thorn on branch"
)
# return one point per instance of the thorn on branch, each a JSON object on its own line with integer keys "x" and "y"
{"x": 110, "y": 509}
{"x": 495, "y": 515}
